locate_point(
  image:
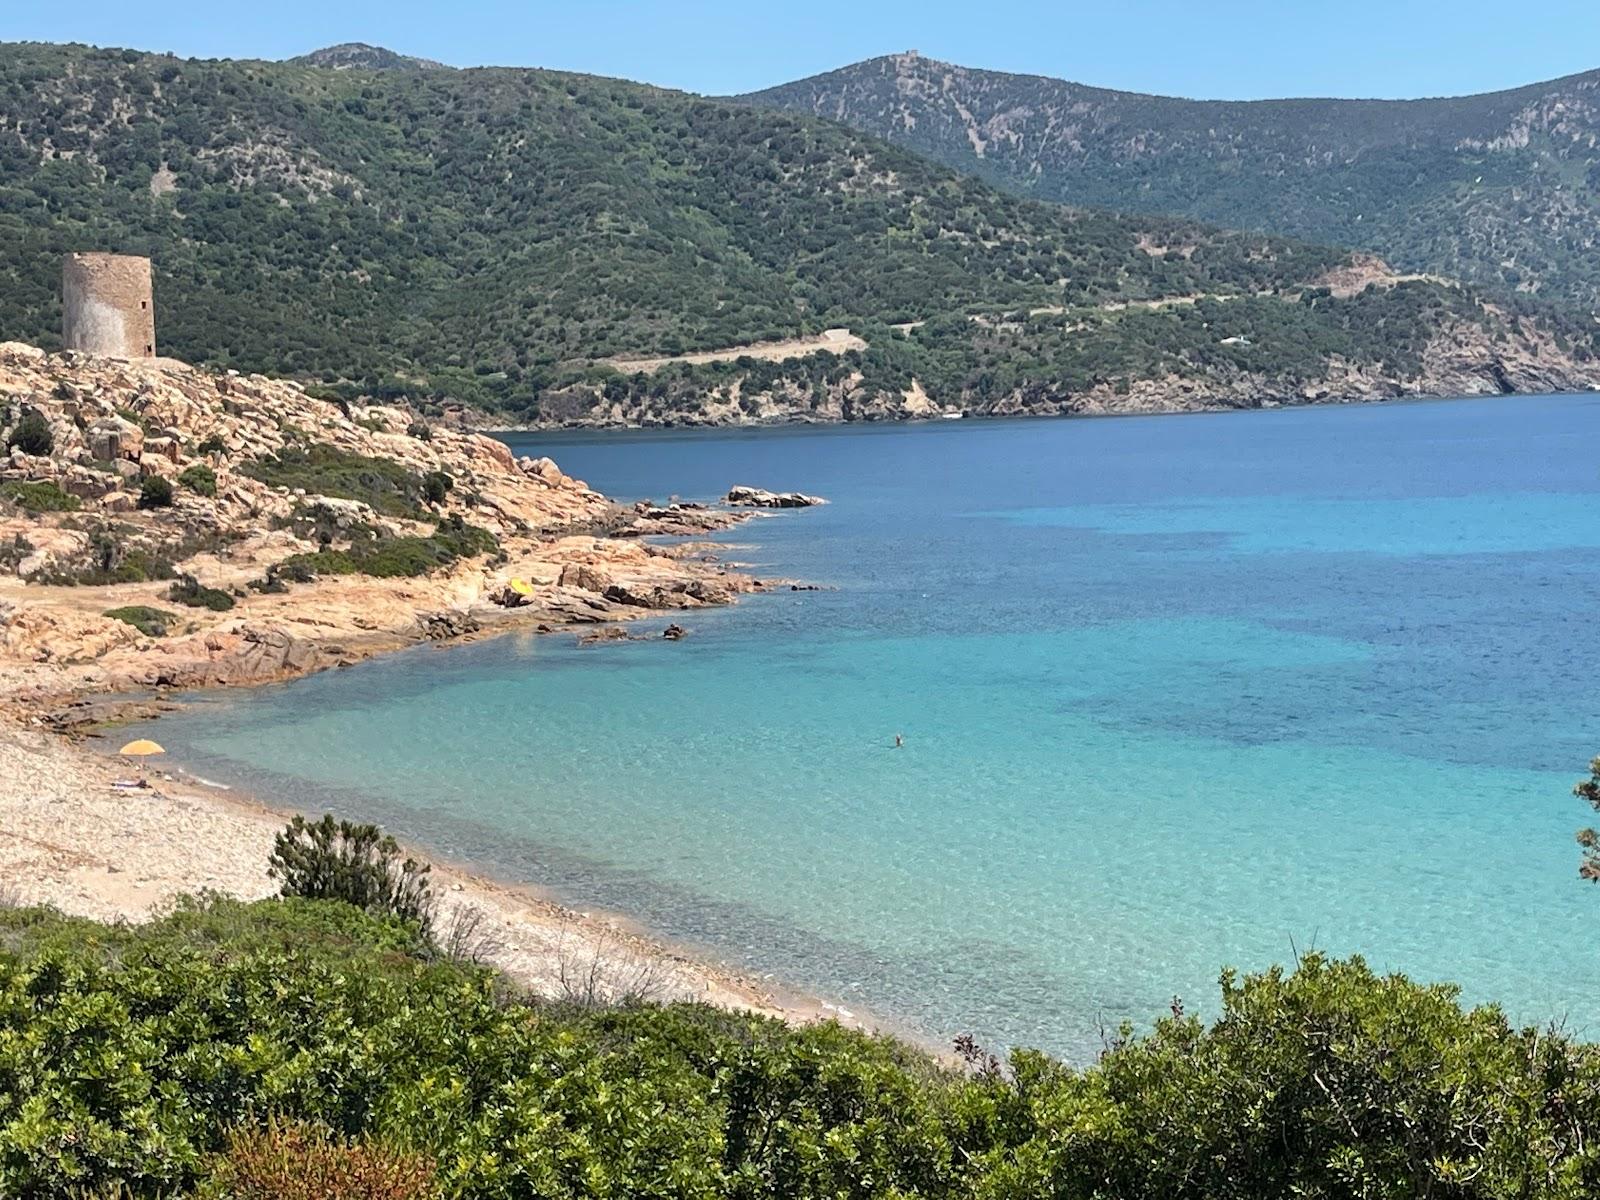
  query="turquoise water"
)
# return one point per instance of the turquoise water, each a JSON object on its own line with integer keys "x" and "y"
{"x": 1177, "y": 693}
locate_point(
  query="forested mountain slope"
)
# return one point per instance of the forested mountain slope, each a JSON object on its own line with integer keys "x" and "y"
{"x": 491, "y": 235}
{"x": 1500, "y": 189}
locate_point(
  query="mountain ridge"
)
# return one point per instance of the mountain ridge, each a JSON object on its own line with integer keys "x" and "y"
{"x": 363, "y": 56}
{"x": 1499, "y": 188}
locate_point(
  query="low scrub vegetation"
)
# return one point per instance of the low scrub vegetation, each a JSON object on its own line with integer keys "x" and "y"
{"x": 155, "y": 492}
{"x": 190, "y": 591}
{"x": 152, "y": 622}
{"x": 255, "y": 1046}
{"x": 199, "y": 479}
{"x": 112, "y": 557}
{"x": 356, "y": 864}
{"x": 38, "y": 497}
{"x": 381, "y": 483}
{"x": 294, "y": 1161}
{"x": 32, "y": 434}
{"x": 394, "y": 557}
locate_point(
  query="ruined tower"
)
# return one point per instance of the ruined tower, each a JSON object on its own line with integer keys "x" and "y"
{"x": 108, "y": 306}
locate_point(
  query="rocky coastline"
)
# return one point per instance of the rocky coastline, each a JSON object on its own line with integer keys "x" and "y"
{"x": 274, "y": 501}
{"x": 1462, "y": 359}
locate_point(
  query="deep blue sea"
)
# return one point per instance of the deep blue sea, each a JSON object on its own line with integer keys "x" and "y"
{"x": 1177, "y": 693}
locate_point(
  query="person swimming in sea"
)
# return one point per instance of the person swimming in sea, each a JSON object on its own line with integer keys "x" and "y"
{"x": 898, "y": 741}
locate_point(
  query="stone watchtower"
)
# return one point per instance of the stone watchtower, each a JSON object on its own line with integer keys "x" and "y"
{"x": 108, "y": 306}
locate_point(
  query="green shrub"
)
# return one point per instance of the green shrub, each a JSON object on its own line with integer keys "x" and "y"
{"x": 190, "y": 591}
{"x": 323, "y": 470}
{"x": 32, "y": 434}
{"x": 436, "y": 486}
{"x": 200, "y": 479}
{"x": 398, "y": 557}
{"x": 213, "y": 444}
{"x": 152, "y": 622}
{"x": 39, "y": 496}
{"x": 356, "y": 864}
{"x": 155, "y": 492}
{"x": 419, "y": 431}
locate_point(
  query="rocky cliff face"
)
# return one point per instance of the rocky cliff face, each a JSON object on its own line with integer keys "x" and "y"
{"x": 84, "y": 532}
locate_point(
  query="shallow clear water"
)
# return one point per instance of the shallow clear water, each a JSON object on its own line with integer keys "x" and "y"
{"x": 1177, "y": 693}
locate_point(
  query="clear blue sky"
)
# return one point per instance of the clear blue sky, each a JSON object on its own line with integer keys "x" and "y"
{"x": 1225, "y": 48}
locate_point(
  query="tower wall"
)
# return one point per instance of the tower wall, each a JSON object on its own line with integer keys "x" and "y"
{"x": 108, "y": 306}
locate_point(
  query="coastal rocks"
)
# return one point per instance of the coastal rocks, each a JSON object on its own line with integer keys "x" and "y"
{"x": 231, "y": 656}
{"x": 616, "y": 633}
{"x": 584, "y": 577}
{"x": 677, "y": 594}
{"x": 63, "y": 637}
{"x": 446, "y": 626}
{"x": 678, "y": 520}
{"x": 635, "y": 596}
{"x": 507, "y": 596}
{"x": 752, "y": 497}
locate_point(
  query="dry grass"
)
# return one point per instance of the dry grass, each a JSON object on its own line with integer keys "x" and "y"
{"x": 289, "y": 1160}
{"x": 468, "y": 934}
{"x": 603, "y": 971}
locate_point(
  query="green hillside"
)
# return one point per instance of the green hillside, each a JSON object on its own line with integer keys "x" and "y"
{"x": 1500, "y": 189}
{"x": 487, "y": 234}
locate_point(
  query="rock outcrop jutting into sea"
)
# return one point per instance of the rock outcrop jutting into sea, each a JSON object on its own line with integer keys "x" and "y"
{"x": 162, "y": 525}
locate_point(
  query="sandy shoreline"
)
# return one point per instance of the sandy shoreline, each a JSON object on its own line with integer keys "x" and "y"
{"x": 70, "y": 840}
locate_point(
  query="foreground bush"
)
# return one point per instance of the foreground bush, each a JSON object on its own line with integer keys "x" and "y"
{"x": 356, "y": 864}
{"x": 32, "y": 434}
{"x": 149, "y": 1056}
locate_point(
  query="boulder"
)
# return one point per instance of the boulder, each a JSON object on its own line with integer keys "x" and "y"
{"x": 583, "y": 577}
{"x": 494, "y": 448}
{"x": 542, "y": 468}
{"x": 636, "y": 596}
{"x": 752, "y": 497}
{"x": 62, "y": 636}
{"x": 86, "y": 485}
{"x": 114, "y": 438}
{"x": 162, "y": 447}
{"x": 446, "y": 625}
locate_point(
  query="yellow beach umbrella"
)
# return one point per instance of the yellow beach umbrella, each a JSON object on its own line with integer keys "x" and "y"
{"x": 522, "y": 587}
{"x": 141, "y": 749}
